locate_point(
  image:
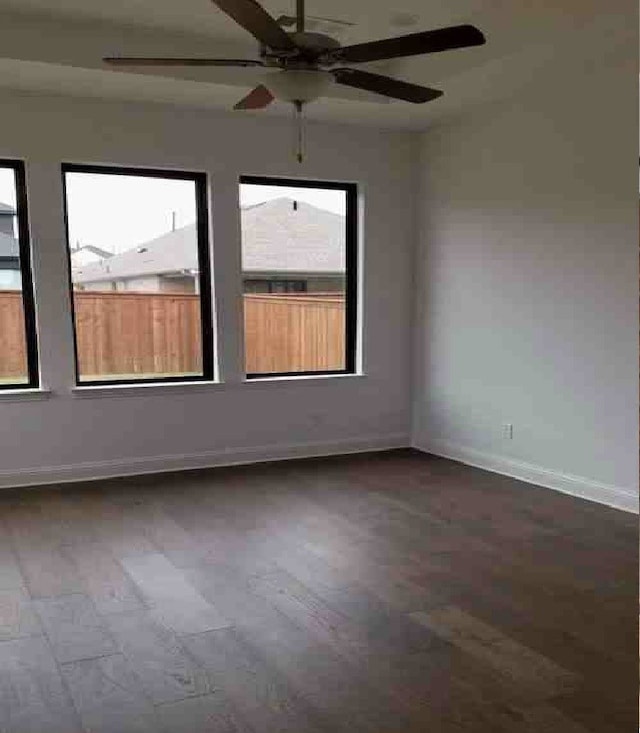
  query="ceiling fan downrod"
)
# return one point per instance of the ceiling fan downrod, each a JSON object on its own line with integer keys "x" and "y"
{"x": 298, "y": 114}
{"x": 300, "y": 16}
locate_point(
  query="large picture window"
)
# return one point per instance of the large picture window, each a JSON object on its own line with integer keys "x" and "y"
{"x": 18, "y": 343}
{"x": 139, "y": 265}
{"x": 299, "y": 260}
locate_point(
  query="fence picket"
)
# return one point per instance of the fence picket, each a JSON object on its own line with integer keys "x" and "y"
{"x": 127, "y": 333}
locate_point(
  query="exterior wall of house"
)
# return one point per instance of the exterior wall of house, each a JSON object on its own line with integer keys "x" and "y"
{"x": 100, "y": 286}
{"x": 325, "y": 284}
{"x": 158, "y": 284}
{"x": 147, "y": 284}
{"x": 6, "y": 224}
{"x": 266, "y": 282}
{"x": 185, "y": 284}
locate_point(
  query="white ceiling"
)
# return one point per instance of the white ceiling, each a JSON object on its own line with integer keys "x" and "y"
{"x": 55, "y": 46}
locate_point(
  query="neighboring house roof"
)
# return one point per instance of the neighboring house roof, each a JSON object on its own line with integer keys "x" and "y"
{"x": 8, "y": 246}
{"x": 87, "y": 254}
{"x": 6, "y": 210}
{"x": 172, "y": 252}
{"x": 275, "y": 239}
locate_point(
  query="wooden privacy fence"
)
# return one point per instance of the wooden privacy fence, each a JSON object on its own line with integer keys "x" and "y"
{"x": 137, "y": 333}
{"x": 159, "y": 333}
{"x": 289, "y": 333}
{"x": 13, "y": 347}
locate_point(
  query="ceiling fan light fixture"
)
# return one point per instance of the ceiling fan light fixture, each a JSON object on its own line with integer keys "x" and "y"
{"x": 298, "y": 85}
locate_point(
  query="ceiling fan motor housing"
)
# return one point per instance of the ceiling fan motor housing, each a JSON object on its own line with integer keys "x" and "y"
{"x": 317, "y": 42}
{"x": 309, "y": 47}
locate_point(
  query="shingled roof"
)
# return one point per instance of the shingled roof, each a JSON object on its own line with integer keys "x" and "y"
{"x": 275, "y": 237}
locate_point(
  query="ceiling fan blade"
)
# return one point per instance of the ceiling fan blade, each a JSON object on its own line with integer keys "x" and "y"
{"x": 259, "y": 98}
{"x": 253, "y": 18}
{"x": 442, "y": 39}
{"x": 385, "y": 85}
{"x": 144, "y": 61}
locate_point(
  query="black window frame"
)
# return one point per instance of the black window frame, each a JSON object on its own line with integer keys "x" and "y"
{"x": 351, "y": 269}
{"x": 26, "y": 278}
{"x": 200, "y": 180}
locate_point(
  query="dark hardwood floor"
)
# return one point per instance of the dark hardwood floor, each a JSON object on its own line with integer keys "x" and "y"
{"x": 381, "y": 593}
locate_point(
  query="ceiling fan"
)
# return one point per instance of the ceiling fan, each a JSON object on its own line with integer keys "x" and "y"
{"x": 301, "y": 66}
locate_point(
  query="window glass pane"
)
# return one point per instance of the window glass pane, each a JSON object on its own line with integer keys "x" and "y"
{"x": 136, "y": 266}
{"x": 16, "y": 348}
{"x": 294, "y": 270}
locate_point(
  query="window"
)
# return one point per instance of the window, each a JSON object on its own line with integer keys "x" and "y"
{"x": 18, "y": 342}
{"x": 139, "y": 270}
{"x": 299, "y": 259}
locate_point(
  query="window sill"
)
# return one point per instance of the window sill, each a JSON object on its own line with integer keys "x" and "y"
{"x": 302, "y": 378}
{"x": 134, "y": 390}
{"x": 97, "y": 391}
{"x": 25, "y": 394}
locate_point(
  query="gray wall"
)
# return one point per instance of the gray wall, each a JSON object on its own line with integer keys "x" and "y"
{"x": 109, "y": 430}
{"x": 528, "y": 272}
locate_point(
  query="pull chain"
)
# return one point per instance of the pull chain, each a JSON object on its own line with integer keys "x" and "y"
{"x": 299, "y": 130}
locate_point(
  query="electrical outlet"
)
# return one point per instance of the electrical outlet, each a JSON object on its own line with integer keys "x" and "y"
{"x": 507, "y": 431}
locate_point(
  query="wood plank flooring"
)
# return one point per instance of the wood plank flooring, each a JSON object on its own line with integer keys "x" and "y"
{"x": 381, "y": 593}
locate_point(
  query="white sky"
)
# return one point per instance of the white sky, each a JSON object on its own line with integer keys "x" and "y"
{"x": 7, "y": 187}
{"x": 117, "y": 212}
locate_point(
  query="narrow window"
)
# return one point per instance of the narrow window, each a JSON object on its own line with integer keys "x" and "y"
{"x": 18, "y": 341}
{"x": 299, "y": 259}
{"x": 140, "y": 280}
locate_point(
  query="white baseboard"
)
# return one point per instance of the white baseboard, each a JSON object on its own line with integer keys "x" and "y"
{"x": 89, "y": 471}
{"x": 613, "y": 496}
